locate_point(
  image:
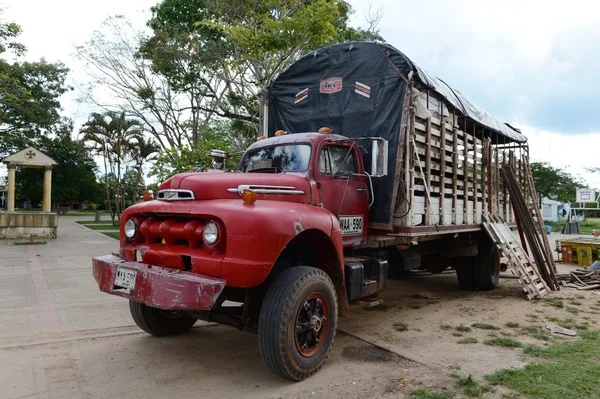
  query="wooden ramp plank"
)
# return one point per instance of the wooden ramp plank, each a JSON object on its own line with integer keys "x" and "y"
{"x": 520, "y": 263}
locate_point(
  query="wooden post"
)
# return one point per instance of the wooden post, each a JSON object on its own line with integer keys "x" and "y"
{"x": 454, "y": 172}
{"x": 484, "y": 167}
{"x": 46, "y": 206}
{"x": 442, "y": 169}
{"x": 475, "y": 194}
{"x": 428, "y": 170}
{"x": 465, "y": 173}
{"x": 504, "y": 192}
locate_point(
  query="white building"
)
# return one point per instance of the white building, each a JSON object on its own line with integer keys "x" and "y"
{"x": 553, "y": 211}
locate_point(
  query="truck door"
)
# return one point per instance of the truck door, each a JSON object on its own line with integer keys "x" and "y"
{"x": 343, "y": 191}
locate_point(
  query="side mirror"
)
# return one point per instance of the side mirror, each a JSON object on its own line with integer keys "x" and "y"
{"x": 379, "y": 157}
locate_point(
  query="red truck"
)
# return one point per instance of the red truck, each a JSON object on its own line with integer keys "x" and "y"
{"x": 368, "y": 167}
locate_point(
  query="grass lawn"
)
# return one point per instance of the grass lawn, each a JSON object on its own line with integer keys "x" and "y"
{"x": 559, "y": 371}
{"x": 113, "y": 234}
{"x": 585, "y": 227}
{"x": 86, "y": 222}
{"x": 102, "y": 227}
{"x": 86, "y": 213}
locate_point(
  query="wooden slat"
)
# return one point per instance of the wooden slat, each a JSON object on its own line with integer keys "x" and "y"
{"x": 428, "y": 169}
{"x": 443, "y": 168}
{"x": 454, "y": 174}
{"x": 465, "y": 179}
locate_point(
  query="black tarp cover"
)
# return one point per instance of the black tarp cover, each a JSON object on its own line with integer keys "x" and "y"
{"x": 357, "y": 89}
{"x": 377, "y": 112}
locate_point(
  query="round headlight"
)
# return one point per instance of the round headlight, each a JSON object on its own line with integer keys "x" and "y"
{"x": 131, "y": 229}
{"x": 210, "y": 234}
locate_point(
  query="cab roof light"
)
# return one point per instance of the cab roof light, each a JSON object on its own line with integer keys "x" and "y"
{"x": 148, "y": 195}
{"x": 280, "y": 133}
{"x": 325, "y": 129}
{"x": 261, "y": 138}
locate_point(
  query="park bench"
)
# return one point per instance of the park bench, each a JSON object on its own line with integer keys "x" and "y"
{"x": 62, "y": 210}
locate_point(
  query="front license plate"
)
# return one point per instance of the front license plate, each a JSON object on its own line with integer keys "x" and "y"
{"x": 125, "y": 278}
{"x": 351, "y": 225}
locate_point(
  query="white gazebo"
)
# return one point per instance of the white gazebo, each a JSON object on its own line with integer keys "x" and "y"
{"x": 26, "y": 224}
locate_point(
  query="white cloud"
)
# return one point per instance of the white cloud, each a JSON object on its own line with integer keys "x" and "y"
{"x": 573, "y": 152}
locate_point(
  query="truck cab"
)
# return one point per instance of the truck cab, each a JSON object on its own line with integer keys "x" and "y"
{"x": 223, "y": 246}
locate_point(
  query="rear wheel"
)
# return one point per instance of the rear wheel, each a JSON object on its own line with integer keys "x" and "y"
{"x": 465, "y": 273}
{"x": 297, "y": 322}
{"x": 487, "y": 266}
{"x": 158, "y": 322}
{"x": 480, "y": 272}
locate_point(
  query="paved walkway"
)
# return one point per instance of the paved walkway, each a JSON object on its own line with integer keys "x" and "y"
{"x": 60, "y": 337}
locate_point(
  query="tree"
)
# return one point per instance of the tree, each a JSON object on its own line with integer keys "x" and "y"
{"x": 116, "y": 64}
{"x": 115, "y": 138}
{"x": 29, "y": 95}
{"x": 73, "y": 180}
{"x": 553, "y": 183}
{"x": 229, "y": 50}
{"x": 180, "y": 160}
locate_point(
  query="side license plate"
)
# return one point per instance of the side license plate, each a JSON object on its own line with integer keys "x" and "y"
{"x": 351, "y": 225}
{"x": 125, "y": 278}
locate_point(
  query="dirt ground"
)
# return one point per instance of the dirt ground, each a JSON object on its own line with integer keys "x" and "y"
{"x": 64, "y": 339}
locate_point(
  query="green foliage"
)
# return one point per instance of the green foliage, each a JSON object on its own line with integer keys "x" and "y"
{"x": 29, "y": 105}
{"x": 471, "y": 387}
{"x": 120, "y": 142}
{"x": 204, "y": 46}
{"x": 555, "y": 183}
{"x": 179, "y": 160}
{"x": 425, "y": 394}
{"x": 484, "y": 326}
{"x": 401, "y": 326}
{"x": 467, "y": 340}
{"x": 512, "y": 324}
{"x": 9, "y": 31}
{"x": 463, "y": 328}
{"x": 564, "y": 371}
{"x": 73, "y": 179}
{"x": 502, "y": 341}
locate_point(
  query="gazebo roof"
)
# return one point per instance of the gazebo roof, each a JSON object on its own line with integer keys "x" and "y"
{"x": 30, "y": 157}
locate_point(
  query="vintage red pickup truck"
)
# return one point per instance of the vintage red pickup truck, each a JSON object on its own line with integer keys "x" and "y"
{"x": 368, "y": 167}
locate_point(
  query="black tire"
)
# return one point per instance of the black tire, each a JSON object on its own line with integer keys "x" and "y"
{"x": 487, "y": 266}
{"x": 158, "y": 322}
{"x": 465, "y": 273}
{"x": 283, "y": 339}
{"x": 480, "y": 272}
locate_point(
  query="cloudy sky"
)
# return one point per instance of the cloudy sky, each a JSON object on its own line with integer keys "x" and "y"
{"x": 532, "y": 63}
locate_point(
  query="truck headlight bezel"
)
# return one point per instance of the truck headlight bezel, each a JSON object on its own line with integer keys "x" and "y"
{"x": 131, "y": 229}
{"x": 211, "y": 234}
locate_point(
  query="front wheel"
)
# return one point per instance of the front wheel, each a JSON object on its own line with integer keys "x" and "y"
{"x": 158, "y": 322}
{"x": 297, "y": 322}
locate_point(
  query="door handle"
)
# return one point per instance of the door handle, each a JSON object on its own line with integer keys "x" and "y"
{"x": 361, "y": 190}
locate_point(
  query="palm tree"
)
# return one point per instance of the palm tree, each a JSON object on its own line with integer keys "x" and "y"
{"x": 115, "y": 138}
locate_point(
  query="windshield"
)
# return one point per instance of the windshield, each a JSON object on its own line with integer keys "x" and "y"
{"x": 282, "y": 158}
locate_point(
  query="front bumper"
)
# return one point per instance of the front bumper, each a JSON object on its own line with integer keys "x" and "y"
{"x": 168, "y": 289}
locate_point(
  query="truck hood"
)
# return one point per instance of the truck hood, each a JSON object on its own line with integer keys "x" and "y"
{"x": 216, "y": 185}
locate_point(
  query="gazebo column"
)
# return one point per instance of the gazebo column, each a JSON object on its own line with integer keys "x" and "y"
{"x": 46, "y": 207}
{"x": 10, "y": 203}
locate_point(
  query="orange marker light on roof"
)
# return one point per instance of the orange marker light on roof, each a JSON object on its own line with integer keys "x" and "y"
{"x": 249, "y": 196}
{"x": 325, "y": 130}
{"x": 261, "y": 138}
{"x": 148, "y": 195}
{"x": 280, "y": 133}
